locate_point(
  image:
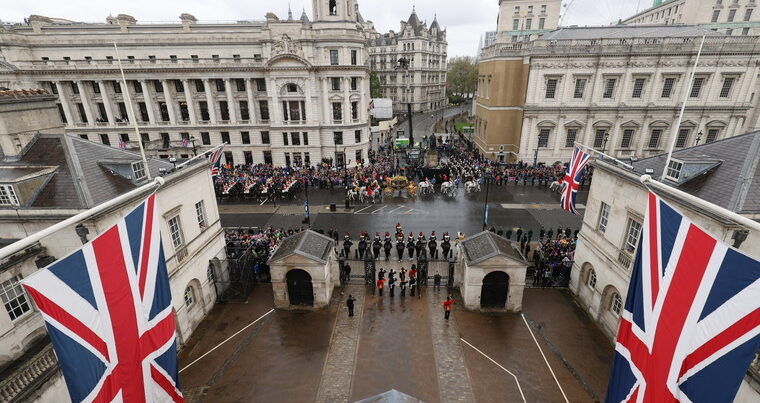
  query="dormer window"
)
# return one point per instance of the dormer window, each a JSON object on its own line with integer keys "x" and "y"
{"x": 8, "y": 196}
{"x": 138, "y": 168}
{"x": 674, "y": 170}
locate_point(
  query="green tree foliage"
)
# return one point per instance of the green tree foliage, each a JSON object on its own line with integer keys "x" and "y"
{"x": 375, "y": 89}
{"x": 462, "y": 77}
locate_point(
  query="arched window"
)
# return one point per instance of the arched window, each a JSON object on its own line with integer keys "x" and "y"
{"x": 292, "y": 87}
{"x": 189, "y": 296}
{"x": 617, "y": 304}
{"x": 591, "y": 278}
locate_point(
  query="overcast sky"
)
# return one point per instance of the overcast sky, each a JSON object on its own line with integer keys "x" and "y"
{"x": 465, "y": 20}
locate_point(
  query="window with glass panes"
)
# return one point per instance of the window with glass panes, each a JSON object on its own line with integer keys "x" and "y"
{"x": 14, "y": 298}
{"x": 354, "y": 110}
{"x": 338, "y": 138}
{"x": 357, "y": 136}
{"x": 654, "y": 138}
{"x": 285, "y": 139}
{"x": 138, "y": 168}
{"x": 295, "y": 138}
{"x": 244, "y": 113}
{"x": 305, "y": 138}
{"x": 617, "y": 304}
{"x": 333, "y": 57}
{"x": 731, "y": 15}
{"x": 205, "y": 139}
{"x": 572, "y": 134}
{"x": 354, "y": 57}
{"x": 8, "y": 196}
{"x": 591, "y": 278}
{"x": 261, "y": 84}
{"x": 245, "y": 138}
{"x": 728, "y": 83}
{"x": 543, "y": 138}
{"x": 696, "y": 87}
{"x": 105, "y": 140}
{"x": 264, "y": 110}
{"x": 604, "y": 216}
{"x": 189, "y": 296}
{"x": 632, "y": 232}
{"x": 683, "y": 137}
{"x": 335, "y": 83}
{"x": 712, "y": 135}
{"x": 627, "y": 138}
{"x": 599, "y": 138}
{"x": 638, "y": 87}
{"x": 175, "y": 232}
{"x": 609, "y": 88}
{"x": 667, "y": 87}
{"x": 226, "y": 138}
{"x": 264, "y": 137}
{"x": 337, "y": 111}
{"x": 551, "y": 88}
{"x": 200, "y": 213}
{"x": 674, "y": 170}
{"x": 580, "y": 88}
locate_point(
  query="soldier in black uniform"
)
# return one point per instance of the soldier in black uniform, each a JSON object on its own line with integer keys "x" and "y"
{"x": 410, "y": 246}
{"x": 433, "y": 246}
{"x": 381, "y": 274}
{"x": 420, "y": 245}
{"x": 446, "y": 245}
{"x": 376, "y": 246}
{"x": 400, "y": 247}
{"x": 347, "y": 245}
{"x": 362, "y": 245}
{"x": 387, "y": 246}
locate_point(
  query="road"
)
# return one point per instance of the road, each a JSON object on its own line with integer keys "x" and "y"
{"x": 425, "y": 120}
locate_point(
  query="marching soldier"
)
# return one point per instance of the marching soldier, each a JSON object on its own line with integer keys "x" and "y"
{"x": 420, "y": 244}
{"x": 433, "y": 246}
{"x": 376, "y": 246}
{"x": 387, "y": 246}
{"x": 347, "y": 245}
{"x": 400, "y": 247}
{"x": 410, "y": 246}
{"x": 362, "y": 245}
{"x": 446, "y": 245}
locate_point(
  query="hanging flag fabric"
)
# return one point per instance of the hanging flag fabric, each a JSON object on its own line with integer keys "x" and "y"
{"x": 216, "y": 162}
{"x": 690, "y": 326}
{"x": 573, "y": 178}
{"x": 108, "y": 311}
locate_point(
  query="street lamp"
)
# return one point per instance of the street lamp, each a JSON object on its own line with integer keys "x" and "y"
{"x": 604, "y": 141}
{"x": 192, "y": 141}
{"x": 403, "y": 63}
{"x": 487, "y": 179}
{"x": 535, "y": 154}
{"x": 699, "y": 137}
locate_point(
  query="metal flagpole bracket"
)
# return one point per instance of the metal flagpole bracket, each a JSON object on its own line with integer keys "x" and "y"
{"x": 593, "y": 151}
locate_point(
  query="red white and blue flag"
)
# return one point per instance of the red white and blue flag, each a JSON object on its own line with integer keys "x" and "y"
{"x": 216, "y": 161}
{"x": 108, "y": 312}
{"x": 573, "y": 179}
{"x": 690, "y": 326}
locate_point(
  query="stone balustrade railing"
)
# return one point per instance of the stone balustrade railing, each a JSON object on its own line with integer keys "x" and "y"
{"x": 29, "y": 375}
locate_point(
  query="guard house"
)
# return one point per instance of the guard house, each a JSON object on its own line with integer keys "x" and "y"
{"x": 303, "y": 273}
{"x": 491, "y": 273}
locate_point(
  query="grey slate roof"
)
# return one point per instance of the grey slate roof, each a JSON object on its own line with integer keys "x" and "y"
{"x": 485, "y": 245}
{"x": 629, "y": 31}
{"x": 308, "y": 244}
{"x": 732, "y": 177}
{"x": 391, "y": 396}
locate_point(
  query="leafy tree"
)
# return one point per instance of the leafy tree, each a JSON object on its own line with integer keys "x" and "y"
{"x": 462, "y": 77}
{"x": 375, "y": 89}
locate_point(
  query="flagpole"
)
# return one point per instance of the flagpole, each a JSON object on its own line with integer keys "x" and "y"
{"x": 203, "y": 154}
{"x": 603, "y": 155}
{"x": 648, "y": 181}
{"x": 37, "y": 236}
{"x": 676, "y": 127}
{"x": 132, "y": 111}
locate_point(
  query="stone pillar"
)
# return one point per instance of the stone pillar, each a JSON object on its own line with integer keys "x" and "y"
{"x": 346, "y": 100}
{"x": 86, "y": 103}
{"x": 169, "y": 103}
{"x": 308, "y": 109}
{"x": 252, "y": 107}
{"x": 106, "y": 101}
{"x": 327, "y": 113}
{"x": 230, "y": 101}
{"x": 65, "y": 98}
{"x": 148, "y": 101}
{"x": 643, "y": 138}
{"x": 209, "y": 100}
{"x": 275, "y": 115}
{"x": 190, "y": 102}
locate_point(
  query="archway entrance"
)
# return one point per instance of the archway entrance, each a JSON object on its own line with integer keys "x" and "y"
{"x": 300, "y": 289}
{"x": 493, "y": 294}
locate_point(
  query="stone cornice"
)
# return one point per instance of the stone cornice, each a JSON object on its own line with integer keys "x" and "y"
{"x": 189, "y": 69}
{"x": 635, "y": 109}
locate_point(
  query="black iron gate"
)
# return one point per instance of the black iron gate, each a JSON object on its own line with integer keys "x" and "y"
{"x": 233, "y": 278}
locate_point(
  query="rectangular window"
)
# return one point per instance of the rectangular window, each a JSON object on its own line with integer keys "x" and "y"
{"x": 264, "y": 137}
{"x": 226, "y": 138}
{"x": 748, "y": 14}
{"x": 307, "y": 159}
{"x": 248, "y": 156}
{"x": 205, "y": 139}
{"x": 305, "y": 138}
{"x": 354, "y": 57}
{"x": 74, "y": 88}
{"x": 244, "y": 113}
{"x": 654, "y": 139}
{"x": 245, "y": 138}
{"x": 264, "y": 110}
{"x": 164, "y": 111}
{"x": 541, "y": 23}
{"x": 712, "y": 135}
{"x": 572, "y": 134}
{"x": 158, "y": 86}
{"x": 609, "y": 88}
{"x": 138, "y": 168}
{"x": 334, "y": 57}
{"x": 604, "y": 216}
{"x": 228, "y": 158}
{"x": 632, "y": 235}
{"x": 600, "y": 139}
{"x": 337, "y": 111}
{"x": 240, "y": 84}
{"x": 335, "y": 83}
{"x": 105, "y": 140}
{"x": 638, "y": 87}
{"x": 580, "y": 88}
{"x": 354, "y": 110}
{"x": 683, "y": 137}
{"x": 14, "y": 298}
{"x": 715, "y": 16}
{"x": 528, "y": 23}
{"x": 261, "y": 84}
{"x": 728, "y": 83}
{"x": 219, "y": 85}
{"x": 95, "y": 87}
{"x": 84, "y": 137}
{"x": 295, "y": 139}
{"x": 175, "y": 232}
{"x": 8, "y": 196}
{"x": 143, "y": 109}
{"x": 357, "y": 136}
{"x": 179, "y": 86}
{"x": 627, "y": 138}
{"x": 224, "y": 110}
{"x": 551, "y": 88}
{"x": 199, "y": 86}
{"x": 667, "y": 87}
{"x": 200, "y": 214}
{"x": 203, "y": 106}
{"x": 543, "y": 138}
{"x": 674, "y": 170}
{"x": 696, "y": 88}
{"x": 287, "y": 159}
{"x": 354, "y": 83}
{"x": 515, "y": 24}
{"x": 338, "y": 138}
{"x": 359, "y": 158}
{"x": 731, "y": 15}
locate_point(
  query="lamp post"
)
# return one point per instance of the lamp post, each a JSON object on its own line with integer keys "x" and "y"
{"x": 487, "y": 178}
{"x": 306, "y": 220}
{"x": 192, "y": 141}
{"x": 535, "y": 153}
{"x": 604, "y": 142}
{"x": 699, "y": 137}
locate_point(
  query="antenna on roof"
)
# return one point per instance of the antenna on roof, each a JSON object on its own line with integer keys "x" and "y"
{"x": 131, "y": 110}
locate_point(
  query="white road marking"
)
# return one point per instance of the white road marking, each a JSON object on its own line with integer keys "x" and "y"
{"x": 265, "y": 200}
{"x": 545, "y": 360}
{"x": 226, "y": 340}
{"x": 400, "y": 207}
{"x": 498, "y": 365}
{"x": 376, "y": 211}
{"x": 360, "y": 210}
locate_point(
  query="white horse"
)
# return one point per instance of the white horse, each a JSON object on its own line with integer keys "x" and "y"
{"x": 364, "y": 194}
{"x": 471, "y": 187}
{"x": 426, "y": 188}
{"x": 555, "y": 186}
{"x": 448, "y": 189}
{"x": 353, "y": 195}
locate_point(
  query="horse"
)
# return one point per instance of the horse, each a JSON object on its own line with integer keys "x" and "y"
{"x": 448, "y": 189}
{"x": 557, "y": 186}
{"x": 426, "y": 188}
{"x": 353, "y": 194}
{"x": 471, "y": 187}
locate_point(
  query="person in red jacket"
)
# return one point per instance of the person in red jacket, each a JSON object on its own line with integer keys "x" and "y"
{"x": 380, "y": 285}
{"x": 447, "y": 305}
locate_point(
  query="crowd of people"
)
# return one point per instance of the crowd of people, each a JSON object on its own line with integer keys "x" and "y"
{"x": 254, "y": 247}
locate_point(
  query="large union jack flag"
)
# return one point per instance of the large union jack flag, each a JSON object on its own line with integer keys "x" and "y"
{"x": 691, "y": 323}
{"x": 108, "y": 311}
{"x": 216, "y": 161}
{"x": 573, "y": 178}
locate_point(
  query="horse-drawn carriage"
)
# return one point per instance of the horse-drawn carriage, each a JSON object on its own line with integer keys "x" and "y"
{"x": 399, "y": 184}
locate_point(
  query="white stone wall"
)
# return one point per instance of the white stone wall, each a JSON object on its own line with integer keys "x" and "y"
{"x": 701, "y": 12}
{"x": 508, "y": 13}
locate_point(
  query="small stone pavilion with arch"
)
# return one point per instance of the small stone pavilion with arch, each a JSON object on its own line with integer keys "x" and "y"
{"x": 490, "y": 273}
{"x": 304, "y": 271}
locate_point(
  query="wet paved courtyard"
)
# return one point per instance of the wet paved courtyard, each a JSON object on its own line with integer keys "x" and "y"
{"x": 400, "y": 343}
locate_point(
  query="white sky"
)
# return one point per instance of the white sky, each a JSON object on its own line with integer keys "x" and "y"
{"x": 465, "y": 20}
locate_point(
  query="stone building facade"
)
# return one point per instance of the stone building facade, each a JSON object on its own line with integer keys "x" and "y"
{"x": 617, "y": 89}
{"x": 519, "y": 20}
{"x": 292, "y": 91}
{"x": 732, "y": 17}
{"x": 424, "y": 83}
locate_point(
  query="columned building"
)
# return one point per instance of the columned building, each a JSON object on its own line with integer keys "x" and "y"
{"x": 732, "y": 17}
{"x": 617, "y": 89}
{"x": 284, "y": 92}
{"x": 521, "y": 20}
{"x": 424, "y": 83}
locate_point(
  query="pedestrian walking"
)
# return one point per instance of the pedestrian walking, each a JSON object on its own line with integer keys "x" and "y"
{"x": 437, "y": 282}
{"x": 350, "y": 305}
{"x": 380, "y": 285}
{"x": 447, "y": 307}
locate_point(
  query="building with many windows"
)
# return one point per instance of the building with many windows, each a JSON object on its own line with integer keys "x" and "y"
{"x": 617, "y": 89}
{"x": 732, "y": 17}
{"x": 292, "y": 91}
{"x": 521, "y": 20}
{"x": 424, "y": 83}
{"x": 54, "y": 176}
{"x": 724, "y": 173}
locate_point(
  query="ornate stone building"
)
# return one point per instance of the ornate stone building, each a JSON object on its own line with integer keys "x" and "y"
{"x": 292, "y": 91}
{"x": 424, "y": 84}
{"x": 618, "y": 89}
{"x": 732, "y": 17}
